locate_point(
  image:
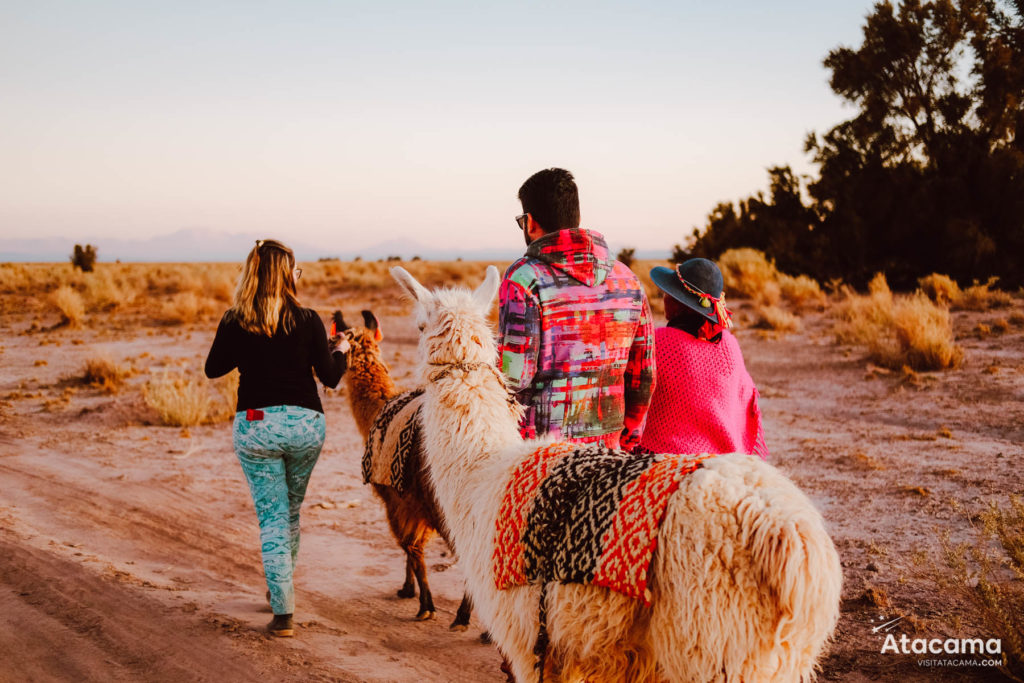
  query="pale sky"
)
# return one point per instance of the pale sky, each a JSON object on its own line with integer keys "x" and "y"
{"x": 343, "y": 123}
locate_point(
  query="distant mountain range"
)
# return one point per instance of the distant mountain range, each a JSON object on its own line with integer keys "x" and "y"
{"x": 210, "y": 245}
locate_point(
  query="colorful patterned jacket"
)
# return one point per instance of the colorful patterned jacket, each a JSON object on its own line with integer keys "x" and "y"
{"x": 576, "y": 341}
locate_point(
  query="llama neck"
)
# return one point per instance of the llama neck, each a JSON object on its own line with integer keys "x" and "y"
{"x": 369, "y": 388}
{"x": 467, "y": 424}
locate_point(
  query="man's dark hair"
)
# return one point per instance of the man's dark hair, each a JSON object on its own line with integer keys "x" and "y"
{"x": 550, "y": 196}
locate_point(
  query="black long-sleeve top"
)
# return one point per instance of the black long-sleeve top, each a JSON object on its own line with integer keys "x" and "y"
{"x": 275, "y": 370}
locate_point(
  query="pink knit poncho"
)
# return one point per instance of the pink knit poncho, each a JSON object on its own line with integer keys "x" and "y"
{"x": 704, "y": 399}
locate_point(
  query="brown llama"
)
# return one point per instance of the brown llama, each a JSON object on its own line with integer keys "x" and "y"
{"x": 413, "y": 515}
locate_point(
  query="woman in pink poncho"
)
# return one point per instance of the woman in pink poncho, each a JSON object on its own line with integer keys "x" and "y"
{"x": 704, "y": 399}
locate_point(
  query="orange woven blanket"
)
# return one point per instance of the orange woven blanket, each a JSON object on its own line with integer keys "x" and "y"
{"x": 585, "y": 514}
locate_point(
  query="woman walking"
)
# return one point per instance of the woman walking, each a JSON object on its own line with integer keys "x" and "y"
{"x": 704, "y": 400}
{"x": 279, "y": 426}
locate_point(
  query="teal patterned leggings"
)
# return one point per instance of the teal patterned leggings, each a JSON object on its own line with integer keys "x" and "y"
{"x": 277, "y": 455}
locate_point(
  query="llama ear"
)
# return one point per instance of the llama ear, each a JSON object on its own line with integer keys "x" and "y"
{"x": 410, "y": 285}
{"x": 339, "y": 322}
{"x": 372, "y": 324}
{"x": 488, "y": 289}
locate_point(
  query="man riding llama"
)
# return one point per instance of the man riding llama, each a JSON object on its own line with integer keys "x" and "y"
{"x": 575, "y": 338}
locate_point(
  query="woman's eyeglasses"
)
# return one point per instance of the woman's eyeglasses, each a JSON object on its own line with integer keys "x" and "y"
{"x": 521, "y": 220}
{"x": 297, "y": 272}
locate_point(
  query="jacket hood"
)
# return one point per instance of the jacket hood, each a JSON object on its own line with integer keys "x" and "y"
{"x": 581, "y": 254}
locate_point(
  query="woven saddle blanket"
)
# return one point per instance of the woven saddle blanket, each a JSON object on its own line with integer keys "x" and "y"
{"x": 585, "y": 514}
{"x": 394, "y": 436}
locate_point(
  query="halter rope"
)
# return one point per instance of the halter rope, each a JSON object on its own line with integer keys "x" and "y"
{"x": 466, "y": 367}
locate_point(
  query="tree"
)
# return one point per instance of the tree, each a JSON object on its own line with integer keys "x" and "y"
{"x": 84, "y": 258}
{"x": 625, "y": 256}
{"x": 928, "y": 176}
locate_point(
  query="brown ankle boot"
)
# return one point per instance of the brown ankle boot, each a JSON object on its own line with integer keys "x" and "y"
{"x": 281, "y": 626}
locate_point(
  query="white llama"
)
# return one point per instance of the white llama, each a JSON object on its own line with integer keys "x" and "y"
{"x": 744, "y": 584}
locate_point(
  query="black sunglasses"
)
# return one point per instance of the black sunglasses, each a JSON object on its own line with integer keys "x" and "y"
{"x": 521, "y": 220}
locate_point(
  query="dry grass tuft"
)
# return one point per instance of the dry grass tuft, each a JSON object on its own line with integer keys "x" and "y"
{"x": 978, "y": 297}
{"x": 860, "y": 317}
{"x": 70, "y": 305}
{"x": 775, "y": 318}
{"x": 941, "y": 289}
{"x": 862, "y": 460}
{"x": 220, "y": 286}
{"x": 875, "y": 597}
{"x": 104, "y": 374}
{"x": 923, "y": 335}
{"x": 802, "y": 292}
{"x": 989, "y": 572}
{"x": 922, "y": 491}
{"x": 981, "y": 297}
{"x": 898, "y": 330}
{"x": 1017, "y": 319}
{"x": 748, "y": 273}
{"x": 185, "y": 307}
{"x": 104, "y": 293}
{"x": 179, "y": 400}
{"x": 185, "y": 401}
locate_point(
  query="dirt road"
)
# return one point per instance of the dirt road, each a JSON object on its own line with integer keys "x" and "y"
{"x": 128, "y": 551}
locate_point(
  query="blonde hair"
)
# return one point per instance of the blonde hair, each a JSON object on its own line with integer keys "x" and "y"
{"x": 266, "y": 296}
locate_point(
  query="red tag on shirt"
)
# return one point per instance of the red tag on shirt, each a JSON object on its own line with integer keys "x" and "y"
{"x": 253, "y": 415}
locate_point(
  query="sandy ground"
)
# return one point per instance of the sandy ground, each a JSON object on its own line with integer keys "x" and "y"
{"x": 128, "y": 550}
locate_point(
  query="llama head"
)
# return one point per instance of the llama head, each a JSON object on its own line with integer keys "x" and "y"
{"x": 453, "y": 320}
{"x": 363, "y": 346}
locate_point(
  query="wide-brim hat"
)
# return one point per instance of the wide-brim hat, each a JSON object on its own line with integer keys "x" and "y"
{"x": 703, "y": 278}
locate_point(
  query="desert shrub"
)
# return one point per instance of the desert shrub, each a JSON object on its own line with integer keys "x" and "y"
{"x": 898, "y": 330}
{"x": 802, "y": 291}
{"x": 179, "y": 400}
{"x": 626, "y": 257}
{"x": 15, "y": 278}
{"x": 770, "y": 294}
{"x": 941, "y": 289}
{"x": 70, "y": 305}
{"x": 104, "y": 374}
{"x": 860, "y": 317}
{"x": 185, "y": 307}
{"x": 84, "y": 258}
{"x": 104, "y": 293}
{"x": 746, "y": 272}
{"x": 219, "y": 285}
{"x": 981, "y": 297}
{"x": 182, "y": 400}
{"x": 989, "y": 572}
{"x": 775, "y": 318}
{"x": 920, "y": 335}
{"x": 182, "y": 307}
